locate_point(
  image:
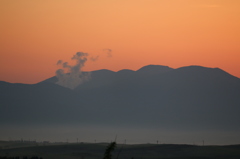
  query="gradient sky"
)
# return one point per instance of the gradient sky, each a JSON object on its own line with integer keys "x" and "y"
{"x": 34, "y": 35}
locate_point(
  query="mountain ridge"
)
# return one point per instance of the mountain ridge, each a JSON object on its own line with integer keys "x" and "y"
{"x": 192, "y": 96}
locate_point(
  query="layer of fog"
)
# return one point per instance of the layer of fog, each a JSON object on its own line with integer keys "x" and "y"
{"x": 133, "y": 135}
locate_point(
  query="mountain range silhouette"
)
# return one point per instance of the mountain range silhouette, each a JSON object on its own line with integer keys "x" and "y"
{"x": 191, "y": 97}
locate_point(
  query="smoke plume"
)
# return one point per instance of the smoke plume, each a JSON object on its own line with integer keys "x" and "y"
{"x": 72, "y": 76}
{"x": 94, "y": 58}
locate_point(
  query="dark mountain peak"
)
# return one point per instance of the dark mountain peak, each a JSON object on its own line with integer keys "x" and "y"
{"x": 194, "y": 69}
{"x": 125, "y": 70}
{"x": 154, "y": 69}
{"x": 3, "y": 83}
{"x": 103, "y": 71}
{"x": 9, "y": 83}
{"x": 204, "y": 75}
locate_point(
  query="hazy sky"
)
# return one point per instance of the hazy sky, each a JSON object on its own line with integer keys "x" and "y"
{"x": 34, "y": 35}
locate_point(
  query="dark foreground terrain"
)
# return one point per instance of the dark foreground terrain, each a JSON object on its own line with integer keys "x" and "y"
{"x": 96, "y": 151}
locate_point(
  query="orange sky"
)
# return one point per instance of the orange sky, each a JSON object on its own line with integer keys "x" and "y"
{"x": 34, "y": 35}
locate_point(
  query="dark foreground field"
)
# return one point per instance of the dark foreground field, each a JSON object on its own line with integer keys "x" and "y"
{"x": 96, "y": 151}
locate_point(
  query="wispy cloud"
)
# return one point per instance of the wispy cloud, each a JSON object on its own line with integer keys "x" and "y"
{"x": 108, "y": 51}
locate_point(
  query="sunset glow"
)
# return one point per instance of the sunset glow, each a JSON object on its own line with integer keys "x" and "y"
{"x": 34, "y": 35}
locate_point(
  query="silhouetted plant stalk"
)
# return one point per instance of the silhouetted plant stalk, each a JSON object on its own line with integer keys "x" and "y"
{"x": 109, "y": 150}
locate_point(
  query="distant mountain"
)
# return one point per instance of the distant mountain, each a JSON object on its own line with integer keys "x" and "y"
{"x": 159, "y": 96}
{"x": 154, "y": 69}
